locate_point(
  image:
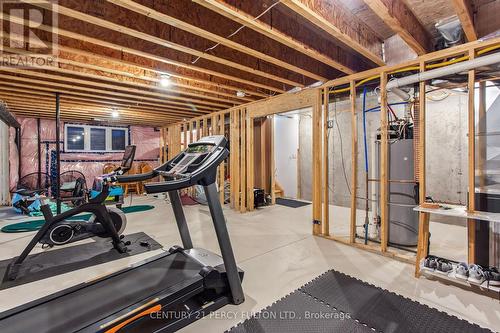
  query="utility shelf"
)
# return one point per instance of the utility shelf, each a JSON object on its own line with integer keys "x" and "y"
{"x": 460, "y": 211}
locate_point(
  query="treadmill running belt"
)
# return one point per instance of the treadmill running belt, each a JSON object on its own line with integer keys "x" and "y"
{"x": 364, "y": 307}
{"x": 84, "y": 306}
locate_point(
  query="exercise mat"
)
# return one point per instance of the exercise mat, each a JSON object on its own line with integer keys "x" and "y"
{"x": 336, "y": 302}
{"x": 62, "y": 260}
{"x": 34, "y": 225}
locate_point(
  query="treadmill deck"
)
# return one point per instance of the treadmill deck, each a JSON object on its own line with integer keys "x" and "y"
{"x": 80, "y": 307}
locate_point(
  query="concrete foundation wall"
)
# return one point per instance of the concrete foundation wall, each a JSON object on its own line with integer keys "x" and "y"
{"x": 446, "y": 149}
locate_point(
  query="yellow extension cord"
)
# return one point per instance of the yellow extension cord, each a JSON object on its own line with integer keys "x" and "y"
{"x": 413, "y": 68}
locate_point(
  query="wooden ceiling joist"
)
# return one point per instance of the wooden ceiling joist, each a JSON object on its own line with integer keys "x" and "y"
{"x": 127, "y": 52}
{"x": 190, "y": 109}
{"x": 116, "y": 87}
{"x": 190, "y": 82}
{"x": 6, "y": 93}
{"x": 85, "y": 69}
{"x": 104, "y": 99}
{"x": 397, "y": 15}
{"x": 332, "y": 17}
{"x": 82, "y": 16}
{"x": 195, "y": 29}
{"x": 265, "y": 29}
{"x": 463, "y": 8}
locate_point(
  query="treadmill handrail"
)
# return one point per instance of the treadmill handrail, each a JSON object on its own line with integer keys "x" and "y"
{"x": 192, "y": 179}
{"x": 136, "y": 177}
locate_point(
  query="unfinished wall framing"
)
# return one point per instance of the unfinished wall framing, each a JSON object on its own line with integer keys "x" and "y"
{"x": 240, "y": 129}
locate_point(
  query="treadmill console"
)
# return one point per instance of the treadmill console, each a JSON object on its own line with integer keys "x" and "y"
{"x": 196, "y": 165}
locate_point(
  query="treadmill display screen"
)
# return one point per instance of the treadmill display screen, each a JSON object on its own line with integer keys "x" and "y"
{"x": 199, "y": 149}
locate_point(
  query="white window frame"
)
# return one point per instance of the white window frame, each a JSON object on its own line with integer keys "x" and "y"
{"x": 86, "y": 144}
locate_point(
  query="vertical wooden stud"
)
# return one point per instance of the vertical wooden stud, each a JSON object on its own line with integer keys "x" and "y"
{"x": 326, "y": 189}
{"x": 354, "y": 162}
{"x": 384, "y": 167}
{"x": 316, "y": 163}
{"x": 423, "y": 218}
{"x": 471, "y": 223}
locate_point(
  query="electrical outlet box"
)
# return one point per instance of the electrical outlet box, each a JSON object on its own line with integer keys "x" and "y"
{"x": 330, "y": 123}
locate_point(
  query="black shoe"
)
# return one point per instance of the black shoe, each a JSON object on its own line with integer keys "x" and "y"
{"x": 492, "y": 276}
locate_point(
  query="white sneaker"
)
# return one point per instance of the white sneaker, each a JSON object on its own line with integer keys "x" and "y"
{"x": 476, "y": 274}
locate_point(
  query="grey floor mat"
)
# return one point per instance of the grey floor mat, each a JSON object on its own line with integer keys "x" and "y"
{"x": 71, "y": 258}
{"x": 365, "y": 305}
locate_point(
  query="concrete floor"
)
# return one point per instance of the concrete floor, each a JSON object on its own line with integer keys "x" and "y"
{"x": 275, "y": 248}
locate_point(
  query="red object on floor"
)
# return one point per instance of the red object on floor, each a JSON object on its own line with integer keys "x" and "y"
{"x": 186, "y": 200}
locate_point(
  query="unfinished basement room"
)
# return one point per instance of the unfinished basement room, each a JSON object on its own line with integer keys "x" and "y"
{"x": 249, "y": 166}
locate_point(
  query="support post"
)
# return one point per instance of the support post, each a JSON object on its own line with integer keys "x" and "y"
{"x": 354, "y": 162}
{"x": 326, "y": 190}
{"x": 423, "y": 218}
{"x": 316, "y": 162}
{"x": 58, "y": 153}
{"x": 384, "y": 166}
{"x": 471, "y": 223}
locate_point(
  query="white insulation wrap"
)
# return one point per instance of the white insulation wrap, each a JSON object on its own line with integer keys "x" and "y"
{"x": 4, "y": 164}
{"x": 447, "y": 70}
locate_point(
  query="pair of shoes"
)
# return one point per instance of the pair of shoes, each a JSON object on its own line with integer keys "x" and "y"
{"x": 476, "y": 274}
{"x": 462, "y": 271}
{"x": 492, "y": 275}
{"x": 430, "y": 263}
{"x": 443, "y": 266}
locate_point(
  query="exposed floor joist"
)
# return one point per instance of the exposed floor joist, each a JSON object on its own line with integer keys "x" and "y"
{"x": 397, "y": 15}
{"x": 89, "y": 19}
{"x": 265, "y": 29}
{"x": 463, "y": 9}
{"x": 167, "y": 19}
{"x": 333, "y": 18}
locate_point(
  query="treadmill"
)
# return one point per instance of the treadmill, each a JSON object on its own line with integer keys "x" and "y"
{"x": 163, "y": 293}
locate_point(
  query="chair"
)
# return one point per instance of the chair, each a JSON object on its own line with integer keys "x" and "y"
{"x": 144, "y": 167}
{"x": 132, "y": 186}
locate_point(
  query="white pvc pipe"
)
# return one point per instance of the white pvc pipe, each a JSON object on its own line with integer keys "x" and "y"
{"x": 447, "y": 70}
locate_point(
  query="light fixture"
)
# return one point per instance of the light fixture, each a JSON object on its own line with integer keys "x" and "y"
{"x": 240, "y": 93}
{"x": 115, "y": 114}
{"x": 165, "y": 80}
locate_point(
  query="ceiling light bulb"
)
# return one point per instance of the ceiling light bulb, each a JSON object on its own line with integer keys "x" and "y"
{"x": 165, "y": 80}
{"x": 115, "y": 114}
{"x": 240, "y": 93}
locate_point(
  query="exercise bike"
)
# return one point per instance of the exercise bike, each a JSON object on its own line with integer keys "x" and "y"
{"x": 58, "y": 230}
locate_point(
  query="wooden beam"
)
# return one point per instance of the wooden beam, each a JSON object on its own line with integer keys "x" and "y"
{"x": 164, "y": 18}
{"x": 326, "y": 184}
{"x": 463, "y": 8}
{"x": 243, "y": 161}
{"x": 397, "y": 15}
{"x": 127, "y": 51}
{"x": 95, "y": 95}
{"x": 471, "y": 138}
{"x": 334, "y": 18}
{"x": 267, "y": 30}
{"x": 354, "y": 161}
{"x": 124, "y": 30}
{"x": 316, "y": 162}
{"x": 384, "y": 165}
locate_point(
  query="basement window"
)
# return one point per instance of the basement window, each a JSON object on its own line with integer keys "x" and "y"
{"x": 95, "y": 139}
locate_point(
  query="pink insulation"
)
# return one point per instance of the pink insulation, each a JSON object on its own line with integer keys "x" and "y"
{"x": 90, "y": 164}
{"x": 13, "y": 160}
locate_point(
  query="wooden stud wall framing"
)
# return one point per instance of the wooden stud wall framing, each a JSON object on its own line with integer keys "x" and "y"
{"x": 384, "y": 167}
{"x": 354, "y": 162}
{"x": 471, "y": 223}
{"x": 241, "y": 136}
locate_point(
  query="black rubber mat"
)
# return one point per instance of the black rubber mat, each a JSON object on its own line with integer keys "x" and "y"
{"x": 71, "y": 258}
{"x": 364, "y": 308}
{"x": 291, "y": 203}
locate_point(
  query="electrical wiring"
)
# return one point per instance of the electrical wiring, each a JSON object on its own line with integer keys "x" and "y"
{"x": 414, "y": 68}
{"x": 236, "y": 31}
